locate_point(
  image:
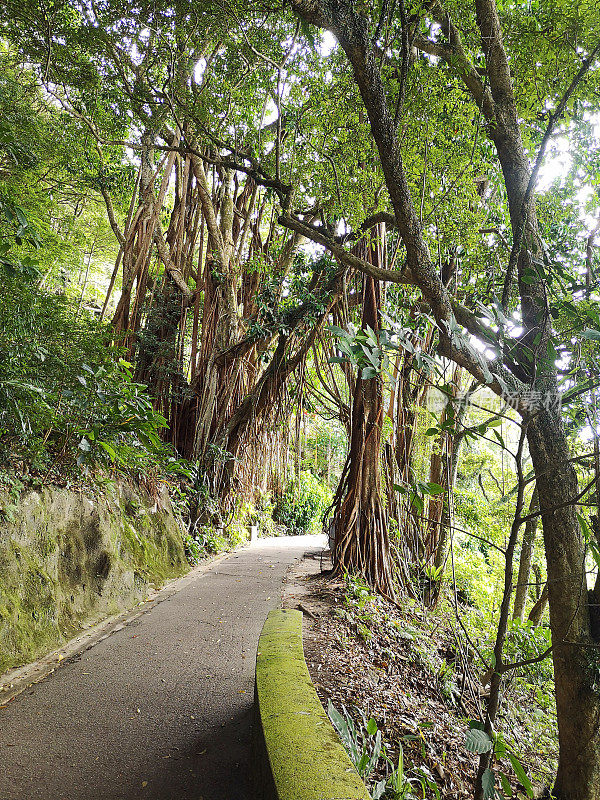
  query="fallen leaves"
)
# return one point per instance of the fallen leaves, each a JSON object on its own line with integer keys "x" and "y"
{"x": 384, "y": 676}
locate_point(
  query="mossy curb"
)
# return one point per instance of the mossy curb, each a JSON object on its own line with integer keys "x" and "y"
{"x": 297, "y": 753}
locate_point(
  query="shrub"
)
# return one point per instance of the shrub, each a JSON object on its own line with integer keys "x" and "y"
{"x": 303, "y": 504}
{"x": 204, "y": 540}
{"x": 66, "y": 396}
{"x": 476, "y": 581}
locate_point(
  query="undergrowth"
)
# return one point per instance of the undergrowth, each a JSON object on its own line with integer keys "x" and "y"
{"x": 69, "y": 404}
{"x": 411, "y": 674}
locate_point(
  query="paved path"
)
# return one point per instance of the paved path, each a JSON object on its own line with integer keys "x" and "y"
{"x": 160, "y": 709}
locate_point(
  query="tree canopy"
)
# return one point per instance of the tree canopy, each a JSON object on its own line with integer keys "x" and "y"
{"x": 237, "y": 237}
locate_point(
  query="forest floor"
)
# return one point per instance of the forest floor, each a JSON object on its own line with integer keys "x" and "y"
{"x": 406, "y": 668}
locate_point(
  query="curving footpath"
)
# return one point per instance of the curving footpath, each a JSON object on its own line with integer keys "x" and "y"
{"x": 160, "y": 709}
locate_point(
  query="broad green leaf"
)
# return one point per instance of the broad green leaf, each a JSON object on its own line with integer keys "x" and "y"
{"x": 506, "y": 787}
{"x": 488, "y": 780}
{"x": 434, "y": 488}
{"x": 108, "y": 448}
{"x": 499, "y": 438}
{"x": 477, "y": 741}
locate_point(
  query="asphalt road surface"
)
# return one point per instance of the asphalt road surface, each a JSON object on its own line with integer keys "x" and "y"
{"x": 161, "y": 708}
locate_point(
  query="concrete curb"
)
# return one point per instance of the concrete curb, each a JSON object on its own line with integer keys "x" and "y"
{"x": 297, "y": 753}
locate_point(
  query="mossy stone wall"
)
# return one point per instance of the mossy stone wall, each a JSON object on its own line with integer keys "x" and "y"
{"x": 68, "y": 560}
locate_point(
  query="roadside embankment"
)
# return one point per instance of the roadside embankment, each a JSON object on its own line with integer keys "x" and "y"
{"x": 68, "y": 560}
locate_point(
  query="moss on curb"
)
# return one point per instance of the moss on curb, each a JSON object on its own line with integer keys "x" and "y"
{"x": 298, "y": 755}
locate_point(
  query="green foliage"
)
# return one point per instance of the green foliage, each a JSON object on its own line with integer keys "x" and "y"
{"x": 302, "y": 506}
{"x": 418, "y": 491}
{"x": 475, "y": 580}
{"x": 403, "y": 784}
{"x": 368, "y": 752}
{"x": 65, "y": 396}
{"x": 121, "y": 427}
{"x": 478, "y": 741}
{"x": 363, "y": 744}
{"x": 204, "y": 540}
{"x": 212, "y": 531}
{"x": 367, "y": 350}
{"x": 260, "y": 513}
{"x": 358, "y": 592}
{"x": 525, "y": 641}
{"x": 50, "y": 221}
{"x": 323, "y": 443}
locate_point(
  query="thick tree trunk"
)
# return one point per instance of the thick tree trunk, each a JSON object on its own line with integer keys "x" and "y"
{"x": 361, "y": 540}
{"x": 575, "y": 654}
{"x": 361, "y": 544}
